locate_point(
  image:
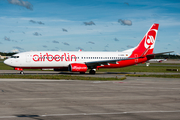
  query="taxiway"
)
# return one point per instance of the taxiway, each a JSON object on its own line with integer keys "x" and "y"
{"x": 132, "y": 99}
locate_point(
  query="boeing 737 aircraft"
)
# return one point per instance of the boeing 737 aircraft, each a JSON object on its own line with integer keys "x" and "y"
{"x": 81, "y": 61}
{"x": 158, "y": 60}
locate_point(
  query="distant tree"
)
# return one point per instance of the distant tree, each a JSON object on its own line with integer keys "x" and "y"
{"x": 167, "y": 56}
{"x": 7, "y": 54}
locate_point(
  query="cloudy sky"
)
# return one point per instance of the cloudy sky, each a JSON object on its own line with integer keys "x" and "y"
{"x": 91, "y": 25}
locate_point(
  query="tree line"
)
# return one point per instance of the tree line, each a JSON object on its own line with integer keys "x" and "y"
{"x": 167, "y": 56}
{"x": 7, "y": 54}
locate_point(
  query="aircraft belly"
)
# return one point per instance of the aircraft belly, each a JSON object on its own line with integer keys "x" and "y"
{"x": 46, "y": 64}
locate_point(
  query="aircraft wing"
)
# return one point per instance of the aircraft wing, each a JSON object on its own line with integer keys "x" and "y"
{"x": 105, "y": 62}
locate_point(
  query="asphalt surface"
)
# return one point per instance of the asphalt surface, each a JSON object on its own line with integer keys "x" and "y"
{"x": 132, "y": 99}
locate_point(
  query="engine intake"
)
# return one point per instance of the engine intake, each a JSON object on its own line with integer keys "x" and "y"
{"x": 77, "y": 67}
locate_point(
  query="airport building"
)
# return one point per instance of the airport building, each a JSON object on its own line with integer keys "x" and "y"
{"x": 4, "y": 57}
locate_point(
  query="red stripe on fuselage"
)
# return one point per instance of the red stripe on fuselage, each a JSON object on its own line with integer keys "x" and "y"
{"x": 125, "y": 63}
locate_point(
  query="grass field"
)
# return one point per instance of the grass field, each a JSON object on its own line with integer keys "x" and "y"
{"x": 158, "y": 76}
{"x": 138, "y": 68}
{"x": 4, "y": 67}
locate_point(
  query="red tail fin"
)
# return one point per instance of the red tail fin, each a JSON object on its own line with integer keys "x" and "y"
{"x": 147, "y": 43}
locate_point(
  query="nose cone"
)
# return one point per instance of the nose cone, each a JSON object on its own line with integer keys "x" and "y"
{"x": 7, "y": 62}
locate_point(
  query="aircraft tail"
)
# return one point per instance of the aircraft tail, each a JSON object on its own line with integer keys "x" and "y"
{"x": 146, "y": 46}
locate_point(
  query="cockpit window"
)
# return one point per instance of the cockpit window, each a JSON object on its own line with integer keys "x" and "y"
{"x": 14, "y": 56}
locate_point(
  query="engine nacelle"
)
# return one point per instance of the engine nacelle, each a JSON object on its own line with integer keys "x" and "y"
{"x": 77, "y": 67}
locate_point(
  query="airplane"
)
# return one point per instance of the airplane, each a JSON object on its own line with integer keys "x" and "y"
{"x": 81, "y": 61}
{"x": 155, "y": 61}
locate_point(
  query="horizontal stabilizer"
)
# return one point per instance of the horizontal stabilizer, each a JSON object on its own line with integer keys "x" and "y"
{"x": 159, "y": 53}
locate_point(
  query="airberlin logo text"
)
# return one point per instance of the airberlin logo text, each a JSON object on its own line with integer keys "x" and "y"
{"x": 50, "y": 58}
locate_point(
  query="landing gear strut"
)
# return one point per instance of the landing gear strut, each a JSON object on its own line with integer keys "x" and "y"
{"x": 21, "y": 72}
{"x": 92, "y": 71}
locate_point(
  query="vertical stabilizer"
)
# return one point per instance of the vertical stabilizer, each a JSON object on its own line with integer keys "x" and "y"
{"x": 147, "y": 43}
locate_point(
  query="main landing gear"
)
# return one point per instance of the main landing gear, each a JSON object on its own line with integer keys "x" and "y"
{"x": 92, "y": 71}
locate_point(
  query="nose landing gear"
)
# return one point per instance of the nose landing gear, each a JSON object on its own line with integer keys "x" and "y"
{"x": 20, "y": 69}
{"x": 21, "y": 72}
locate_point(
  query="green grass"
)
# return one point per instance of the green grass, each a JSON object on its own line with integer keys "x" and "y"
{"x": 158, "y": 76}
{"x": 59, "y": 77}
{"x": 142, "y": 68}
{"x": 4, "y": 67}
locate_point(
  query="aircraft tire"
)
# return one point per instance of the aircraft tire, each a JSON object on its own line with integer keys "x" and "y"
{"x": 92, "y": 72}
{"x": 21, "y": 72}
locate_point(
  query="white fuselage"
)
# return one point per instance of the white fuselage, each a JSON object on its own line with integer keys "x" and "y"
{"x": 52, "y": 59}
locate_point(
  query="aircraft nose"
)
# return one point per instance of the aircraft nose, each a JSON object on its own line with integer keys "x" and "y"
{"x": 7, "y": 62}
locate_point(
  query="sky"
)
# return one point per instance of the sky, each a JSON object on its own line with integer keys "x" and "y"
{"x": 90, "y": 25}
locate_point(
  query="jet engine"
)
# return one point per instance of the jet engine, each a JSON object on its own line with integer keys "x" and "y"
{"x": 77, "y": 67}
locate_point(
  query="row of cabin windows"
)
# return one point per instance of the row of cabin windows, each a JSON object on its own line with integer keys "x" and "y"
{"x": 56, "y": 57}
{"x": 84, "y": 58}
{"x": 77, "y": 57}
{"x": 102, "y": 57}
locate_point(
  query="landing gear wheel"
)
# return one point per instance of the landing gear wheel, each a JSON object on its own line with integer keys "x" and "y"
{"x": 92, "y": 71}
{"x": 21, "y": 72}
